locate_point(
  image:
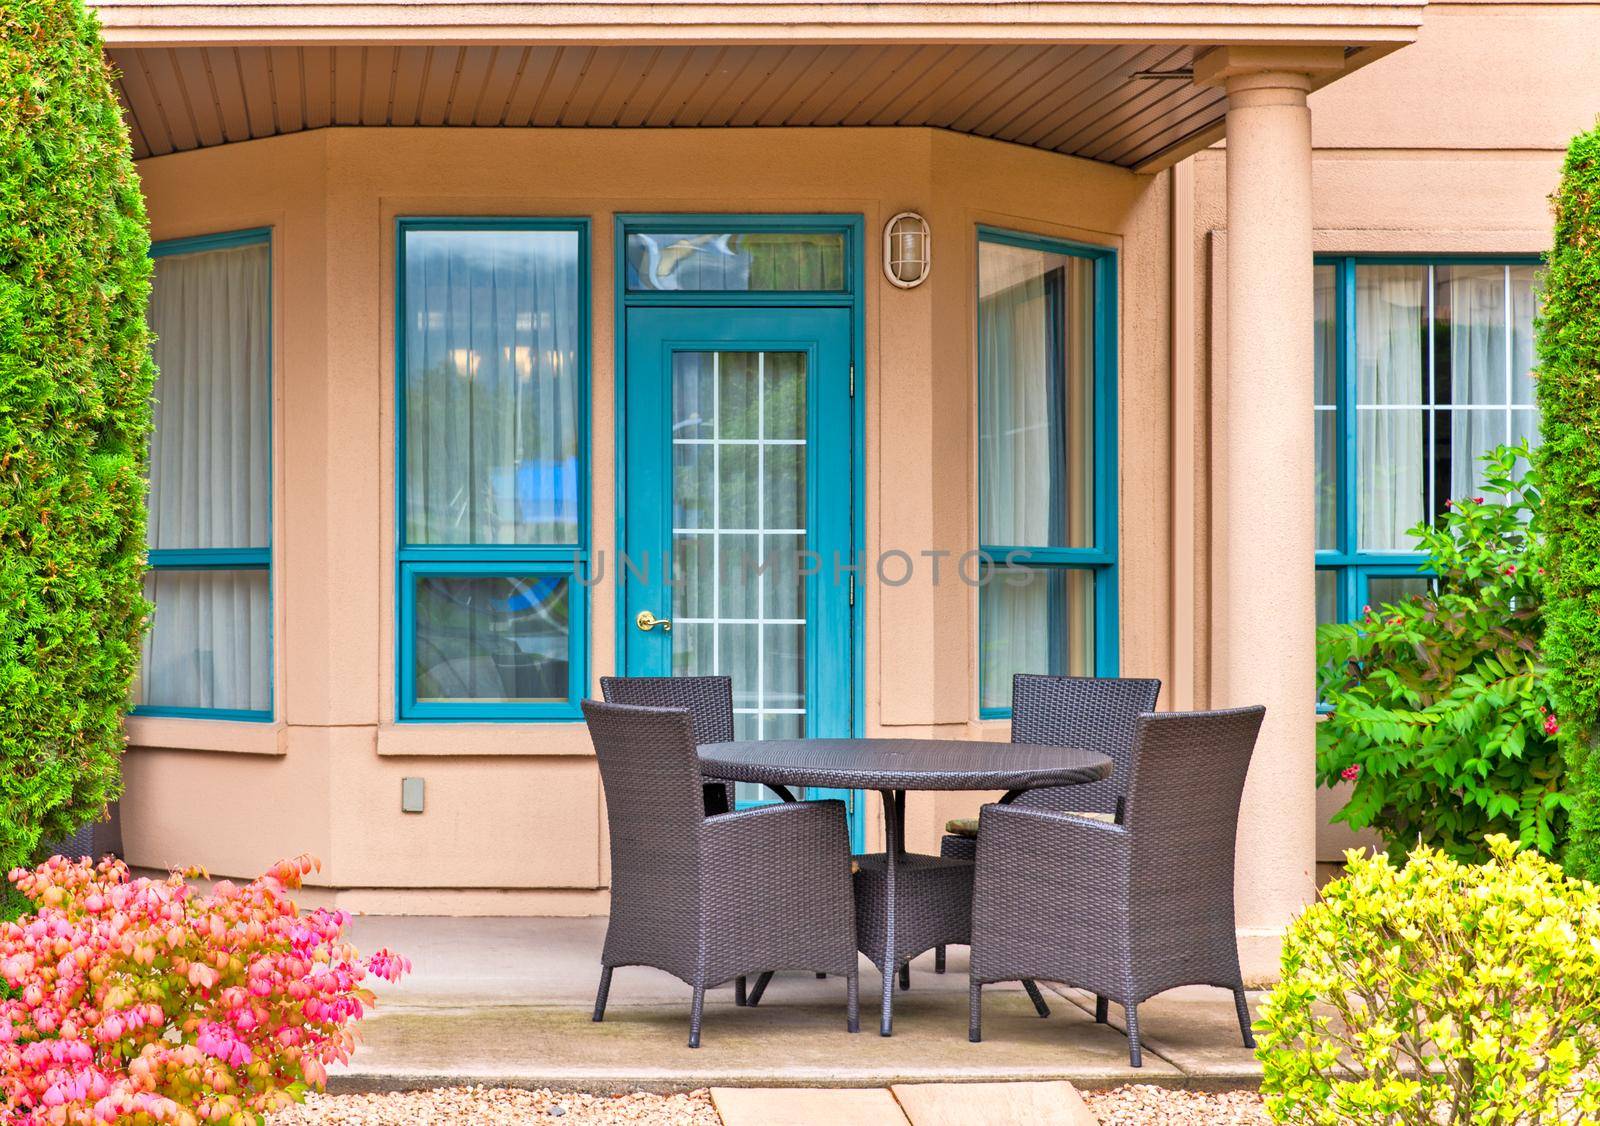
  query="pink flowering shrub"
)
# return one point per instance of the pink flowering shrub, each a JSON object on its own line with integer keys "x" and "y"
{"x": 142, "y": 1001}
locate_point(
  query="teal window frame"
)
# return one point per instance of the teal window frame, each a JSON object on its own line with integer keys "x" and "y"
{"x": 1101, "y": 559}
{"x": 569, "y": 561}
{"x": 228, "y": 558}
{"x": 1353, "y": 567}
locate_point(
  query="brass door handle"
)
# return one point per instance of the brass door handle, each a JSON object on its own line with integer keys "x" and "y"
{"x": 648, "y": 621}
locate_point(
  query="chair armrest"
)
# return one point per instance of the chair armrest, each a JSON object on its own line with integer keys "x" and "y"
{"x": 1041, "y": 845}
{"x": 766, "y": 833}
{"x": 992, "y": 817}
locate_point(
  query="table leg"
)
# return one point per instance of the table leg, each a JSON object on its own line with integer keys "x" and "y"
{"x": 783, "y": 792}
{"x": 893, "y": 842}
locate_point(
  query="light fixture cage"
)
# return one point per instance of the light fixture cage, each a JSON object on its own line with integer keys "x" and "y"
{"x": 907, "y": 250}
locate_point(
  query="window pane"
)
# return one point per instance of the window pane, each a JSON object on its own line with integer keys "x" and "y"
{"x": 1327, "y": 439}
{"x": 1325, "y": 283}
{"x": 1470, "y": 361}
{"x": 1524, "y": 427}
{"x": 738, "y": 602}
{"x": 209, "y": 644}
{"x": 492, "y": 379}
{"x": 492, "y": 638}
{"x": 737, "y": 261}
{"x": 1327, "y": 597}
{"x": 1033, "y": 620}
{"x": 1464, "y": 436}
{"x": 1391, "y": 305}
{"x": 211, "y": 450}
{"x": 1036, "y": 401}
{"x": 1392, "y": 473}
{"x": 1522, "y": 313}
{"x": 1383, "y": 589}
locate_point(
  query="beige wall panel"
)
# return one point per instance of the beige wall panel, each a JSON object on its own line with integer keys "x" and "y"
{"x": 488, "y": 823}
{"x": 234, "y": 814}
{"x": 1480, "y": 76}
{"x": 1440, "y": 196}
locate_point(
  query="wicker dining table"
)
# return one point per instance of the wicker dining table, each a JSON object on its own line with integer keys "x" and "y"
{"x": 891, "y": 767}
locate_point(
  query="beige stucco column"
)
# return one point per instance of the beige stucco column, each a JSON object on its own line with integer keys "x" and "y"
{"x": 1265, "y": 650}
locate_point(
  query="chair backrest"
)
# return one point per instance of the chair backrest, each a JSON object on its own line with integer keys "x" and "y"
{"x": 1187, "y": 781}
{"x": 650, "y": 770}
{"x": 1093, "y": 713}
{"x": 709, "y": 700}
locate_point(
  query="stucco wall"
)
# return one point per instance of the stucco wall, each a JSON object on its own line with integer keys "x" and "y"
{"x": 514, "y": 821}
{"x": 1451, "y": 145}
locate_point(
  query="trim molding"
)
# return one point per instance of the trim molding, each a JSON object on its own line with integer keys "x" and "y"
{"x": 169, "y": 22}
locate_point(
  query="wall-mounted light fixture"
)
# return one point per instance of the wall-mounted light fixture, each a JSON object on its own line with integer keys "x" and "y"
{"x": 907, "y": 246}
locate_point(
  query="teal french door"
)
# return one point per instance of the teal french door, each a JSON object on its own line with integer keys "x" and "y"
{"x": 737, "y": 536}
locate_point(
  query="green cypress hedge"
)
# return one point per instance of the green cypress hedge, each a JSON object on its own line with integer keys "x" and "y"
{"x": 1569, "y": 397}
{"x": 75, "y": 384}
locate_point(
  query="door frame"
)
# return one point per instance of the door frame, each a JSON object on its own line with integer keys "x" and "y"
{"x": 853, "y": 227}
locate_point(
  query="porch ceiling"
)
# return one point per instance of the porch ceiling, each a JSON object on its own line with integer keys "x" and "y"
{"x": 1085, "y": 100}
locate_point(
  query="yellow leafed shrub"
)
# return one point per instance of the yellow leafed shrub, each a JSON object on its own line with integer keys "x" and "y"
{"x": 1439, "y": 992}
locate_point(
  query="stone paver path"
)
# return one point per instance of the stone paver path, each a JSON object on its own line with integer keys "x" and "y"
{"x": 911, "y": 1104}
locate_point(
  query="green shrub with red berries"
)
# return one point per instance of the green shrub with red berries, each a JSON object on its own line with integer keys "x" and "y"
{"x": 1441, "y": 712}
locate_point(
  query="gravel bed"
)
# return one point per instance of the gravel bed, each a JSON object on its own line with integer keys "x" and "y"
{"x": 492, "y": 1106}
{"x": 1144, "y": 1105}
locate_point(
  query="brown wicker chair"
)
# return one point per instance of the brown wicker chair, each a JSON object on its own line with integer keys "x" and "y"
{"x": 709, "y": 700}
{"x": 1092, "y": 713}
{"x": 681, "y": 880}
{"x": 1124, "y": 910}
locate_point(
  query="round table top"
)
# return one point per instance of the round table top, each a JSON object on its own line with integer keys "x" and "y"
{"x": 902, "y": 764}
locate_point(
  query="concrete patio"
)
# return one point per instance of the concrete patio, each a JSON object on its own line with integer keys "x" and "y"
{"x": 506, "y": 1002}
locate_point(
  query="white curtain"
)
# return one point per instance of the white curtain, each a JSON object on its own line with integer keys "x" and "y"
{"x": 210, "y": 643}
{"x": 1045, "y": 625}
{"x": 1036, "y": 458}
{"x": 1391, "y": 306}
{"x": 491, "y": 387}
{"x": 1524, "y": 416}
{"x": 210, "y": 479}
{"x": 1479, "y": 373}
{"x": 1036, "y": 398}
{"x": 1325, "y": 296}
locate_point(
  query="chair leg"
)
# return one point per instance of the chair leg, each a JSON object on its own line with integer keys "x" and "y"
{"x": 605, "y": 991}
{"x": 1243, "y": 1007}
{"x": 761, "y": 987}
{"x": 1135, "y": 1057}
{"x": 696, "y": 1011}
{"x": 975, "y": 1012}
{"x": 1100, "y": 1009}
{"x": 1036, "y": 997}
{"x": 938, "y": 959}
{"x": 853, "y": 1002}
{"x": 739, "y": 991}
{"x": 905, "y": 975}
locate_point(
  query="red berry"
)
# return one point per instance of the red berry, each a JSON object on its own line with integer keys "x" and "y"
{"x": 1551, "y": 726}
{"x": 1350, "y": 773}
